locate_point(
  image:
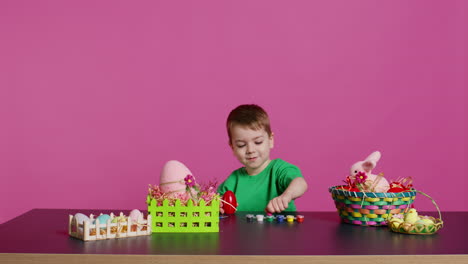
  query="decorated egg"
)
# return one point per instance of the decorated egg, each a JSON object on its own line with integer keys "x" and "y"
{"x": 80, "y": 218}
{"x": 119, "y": 219}
{"x": 426, "y": 221}
{"x": 103, "y": 219}
{"x": 396, "y": 222}
{"x": 136, "y": 216}
{"x": 172, "y": 177}
{"x": 229, "y": 202}
{"x": 419, "y": 222}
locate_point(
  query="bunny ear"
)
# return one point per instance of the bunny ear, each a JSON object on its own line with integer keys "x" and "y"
{"x": 374, "y": 157}
{"x": 368, "y": 165}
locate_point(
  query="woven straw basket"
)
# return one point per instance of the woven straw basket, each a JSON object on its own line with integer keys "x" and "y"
{"x": 370, "y": 208}
{"x": 419, "y": 229}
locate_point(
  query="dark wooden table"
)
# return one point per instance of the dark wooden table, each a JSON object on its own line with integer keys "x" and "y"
{"x": 41, "y": 235}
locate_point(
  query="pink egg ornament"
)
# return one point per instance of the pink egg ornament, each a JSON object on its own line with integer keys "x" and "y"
{"x": 171, "y": 180}
{"x": 136, "y": 216}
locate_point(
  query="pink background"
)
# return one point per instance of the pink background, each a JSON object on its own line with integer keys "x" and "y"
{"x": 95, "y": 96}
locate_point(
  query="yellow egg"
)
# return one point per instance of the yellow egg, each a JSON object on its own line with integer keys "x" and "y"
{"x": 118, "y": 219}
{"x": 419, "y": 222}
{"x": 396, "y": 222}
{"x": 427, "y": 221}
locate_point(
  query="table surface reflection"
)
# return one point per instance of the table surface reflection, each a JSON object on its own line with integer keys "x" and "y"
{"x": 45, "y": 231}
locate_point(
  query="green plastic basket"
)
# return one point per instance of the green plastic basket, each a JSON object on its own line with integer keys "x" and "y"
{"x": 178, "y": 218}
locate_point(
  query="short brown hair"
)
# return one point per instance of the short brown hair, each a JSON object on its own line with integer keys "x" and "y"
{"x": 249, "y": 115}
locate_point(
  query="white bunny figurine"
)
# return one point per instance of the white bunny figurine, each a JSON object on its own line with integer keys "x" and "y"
{"x": 376, "y": 183}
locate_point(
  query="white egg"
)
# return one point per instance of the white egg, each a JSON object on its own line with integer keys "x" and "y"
{"x": 80, "y": 218}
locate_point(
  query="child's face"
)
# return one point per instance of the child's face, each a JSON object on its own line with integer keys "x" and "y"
{"x": 251, "y": 148}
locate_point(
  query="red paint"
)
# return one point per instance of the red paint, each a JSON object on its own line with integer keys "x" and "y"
{"x": 300, "y": 218}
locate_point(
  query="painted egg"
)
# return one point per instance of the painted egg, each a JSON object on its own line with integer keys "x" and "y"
{"x": 102, "y": 219}
{"x": 80, "y": 218}
{"x": 426, "y": 221}
{"x": 396, "y": 222}
{"x": 172, "y": 177}
{"x": 119, "y": 219}
{"x": 419, "y": 222}
{"x": 229, "y": 202}
{"x": 136, "y": 216}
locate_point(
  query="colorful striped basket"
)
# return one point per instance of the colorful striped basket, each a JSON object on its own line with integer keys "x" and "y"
{"x": 370, "y": 208}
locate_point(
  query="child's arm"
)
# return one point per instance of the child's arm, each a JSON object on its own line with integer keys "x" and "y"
{"x": 296, "y": 188}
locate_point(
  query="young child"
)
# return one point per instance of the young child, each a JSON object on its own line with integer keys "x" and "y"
{"x": 263, "y": 184}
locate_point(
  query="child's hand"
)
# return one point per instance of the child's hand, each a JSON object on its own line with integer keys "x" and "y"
{"x": 278, "y": 204}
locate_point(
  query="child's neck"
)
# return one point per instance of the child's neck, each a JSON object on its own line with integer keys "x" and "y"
{"x": 256, "y": 171}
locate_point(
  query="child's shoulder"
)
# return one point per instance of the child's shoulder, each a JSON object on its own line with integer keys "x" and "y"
{"x": 239, "y": 171}
{"x": 284, "y": 168}
{"x": 282, "y": 163}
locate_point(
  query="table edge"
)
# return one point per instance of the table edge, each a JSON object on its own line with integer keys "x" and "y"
{"x": 226, "y": 259}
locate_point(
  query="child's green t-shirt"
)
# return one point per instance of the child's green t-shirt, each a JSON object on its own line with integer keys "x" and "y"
{"x": 254, "y": 192}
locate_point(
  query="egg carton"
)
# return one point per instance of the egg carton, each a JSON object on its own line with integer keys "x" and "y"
{"x": 94, "y": 230}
